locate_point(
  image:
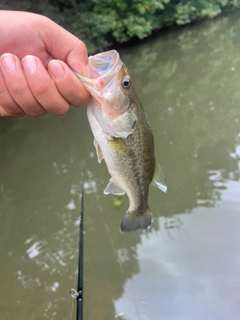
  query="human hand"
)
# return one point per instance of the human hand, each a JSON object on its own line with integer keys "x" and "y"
{"x": 35, "y": 77}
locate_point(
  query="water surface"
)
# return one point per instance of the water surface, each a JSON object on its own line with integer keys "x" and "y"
{"x": 187, "y": 265}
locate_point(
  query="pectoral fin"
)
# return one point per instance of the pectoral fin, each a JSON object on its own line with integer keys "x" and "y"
{"x": 113, "y": 189}
{"x": 124, "y": 125}
{"x": 98, "y": 150}
{"x": 159, "y": 179}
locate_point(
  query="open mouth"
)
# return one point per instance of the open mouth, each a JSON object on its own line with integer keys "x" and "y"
{"x": 101, "y": 69}
{"x": 105, "y": 64}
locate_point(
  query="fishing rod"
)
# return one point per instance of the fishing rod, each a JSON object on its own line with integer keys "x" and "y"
{"x": 78, "y": 294}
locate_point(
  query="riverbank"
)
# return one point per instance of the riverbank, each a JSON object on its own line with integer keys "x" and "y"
{"x": 102, "y": 24}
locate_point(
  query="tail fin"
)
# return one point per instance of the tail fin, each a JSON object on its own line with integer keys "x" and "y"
{"x": 133, "y": 221}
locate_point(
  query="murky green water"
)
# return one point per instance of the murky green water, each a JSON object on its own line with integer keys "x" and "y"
{"x": 187, "y": 265}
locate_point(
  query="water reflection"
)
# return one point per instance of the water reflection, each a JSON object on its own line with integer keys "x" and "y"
{"x": 191, "y": 271}
{"x": 186, "y": 80}
{"x": 187, "y": 264}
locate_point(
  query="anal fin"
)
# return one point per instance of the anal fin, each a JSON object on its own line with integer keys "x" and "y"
{"x": 113, "y": 189}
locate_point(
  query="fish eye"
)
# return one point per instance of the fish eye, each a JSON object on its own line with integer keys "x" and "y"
{"x": 126, "y": 82}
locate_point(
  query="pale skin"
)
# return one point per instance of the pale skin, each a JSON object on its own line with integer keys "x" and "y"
{"x": 36, "y": 58}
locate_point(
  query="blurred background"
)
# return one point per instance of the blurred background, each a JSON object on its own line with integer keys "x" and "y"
{"x": 186, "y": 266}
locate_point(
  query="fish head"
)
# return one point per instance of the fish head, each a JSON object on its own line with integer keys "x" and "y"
{"x": 110, "y": 86}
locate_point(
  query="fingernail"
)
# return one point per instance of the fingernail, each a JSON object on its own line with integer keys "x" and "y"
{"x": 56, "y": 69}
{"x": 8, "y": 62}
{"x": 29, "y": 64}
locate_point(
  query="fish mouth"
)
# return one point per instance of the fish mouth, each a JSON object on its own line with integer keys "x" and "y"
{"x": 101, "y": 69}
{"x": 104, "y": 64}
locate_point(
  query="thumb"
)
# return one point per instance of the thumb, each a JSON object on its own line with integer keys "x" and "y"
{"x": 63, "y": 45}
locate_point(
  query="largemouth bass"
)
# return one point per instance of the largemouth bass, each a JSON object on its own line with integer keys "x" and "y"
{"x": 122, "y": 136}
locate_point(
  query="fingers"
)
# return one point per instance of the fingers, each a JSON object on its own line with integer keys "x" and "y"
{"x": 7, "y": 103}
{"x": 43, "y": 87}
{"x": 16, "y": 97}
{"x": 27, "y": 88}
{"x": 67, "y": 83}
